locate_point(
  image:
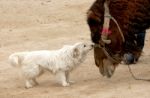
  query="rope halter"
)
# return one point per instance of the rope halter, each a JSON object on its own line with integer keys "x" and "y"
{"x": 105, "y": 31}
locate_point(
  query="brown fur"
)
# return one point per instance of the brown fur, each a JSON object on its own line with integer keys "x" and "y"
{"x": 133, "y": 17}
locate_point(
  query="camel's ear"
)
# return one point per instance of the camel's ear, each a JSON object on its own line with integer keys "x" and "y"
{"x": 76, "y": 52}
{"x": 92, "y": 16}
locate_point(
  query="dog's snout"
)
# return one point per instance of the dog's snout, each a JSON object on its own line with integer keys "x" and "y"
{"x": 92, "y": 45}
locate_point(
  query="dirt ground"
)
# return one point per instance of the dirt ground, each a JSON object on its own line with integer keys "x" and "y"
{"x": 27, "y": 25}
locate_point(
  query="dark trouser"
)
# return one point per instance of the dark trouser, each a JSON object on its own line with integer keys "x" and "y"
{"x": 129, "y": 58}
{"x": 140, "y": 40}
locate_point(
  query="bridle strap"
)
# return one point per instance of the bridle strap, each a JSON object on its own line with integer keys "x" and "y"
{"x": 106, "y": 13}
{"x": 121, "y": 33}
{"x": 113, "y": 60}
{"x": 105, "y": 34}
{"x": 107, "y": 18}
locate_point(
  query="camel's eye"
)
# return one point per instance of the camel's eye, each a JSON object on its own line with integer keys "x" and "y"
{"x": 84, "y": 45}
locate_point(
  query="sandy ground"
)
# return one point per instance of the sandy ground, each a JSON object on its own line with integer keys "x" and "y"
{"x": 49, "y": 24}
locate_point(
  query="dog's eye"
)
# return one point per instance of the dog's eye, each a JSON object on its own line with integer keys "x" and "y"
{"x": 84, "y": 45}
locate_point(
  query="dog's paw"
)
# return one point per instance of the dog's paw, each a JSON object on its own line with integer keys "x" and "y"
{"x": 28, "y": 86}
{"x": 71, "y": 82}
{"x": 65, "y": 84}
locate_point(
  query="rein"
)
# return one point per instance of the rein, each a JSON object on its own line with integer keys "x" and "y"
{"x": 112, "y": 59}
{"x": 121, "y": 33}
{"x": 136, "y": 78}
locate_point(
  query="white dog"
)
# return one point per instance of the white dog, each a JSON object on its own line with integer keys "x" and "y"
{"x": 59, "y": 62}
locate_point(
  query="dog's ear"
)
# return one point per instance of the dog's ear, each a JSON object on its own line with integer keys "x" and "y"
{"x": 76, "y": 52}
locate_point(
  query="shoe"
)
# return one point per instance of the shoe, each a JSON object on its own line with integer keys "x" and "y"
{"x": 129, "y": 58}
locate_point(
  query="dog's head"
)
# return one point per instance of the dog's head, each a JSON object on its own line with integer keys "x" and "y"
{"x": 81, "y": 49}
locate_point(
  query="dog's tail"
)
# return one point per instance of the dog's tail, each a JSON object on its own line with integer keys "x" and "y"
{"x": 16, "y": 58}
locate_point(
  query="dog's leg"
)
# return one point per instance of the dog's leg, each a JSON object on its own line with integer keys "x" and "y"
{"x": 62, "y": 76}
{"x": 67, "y": 77}
{"x": 30, "y": 83}
{"x": 34, "y": 82}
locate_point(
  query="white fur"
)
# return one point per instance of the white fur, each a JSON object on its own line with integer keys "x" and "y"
{"x": 59, "y": 62}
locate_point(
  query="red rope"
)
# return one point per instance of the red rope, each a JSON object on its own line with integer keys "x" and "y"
{"x": 106, "y": 31}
